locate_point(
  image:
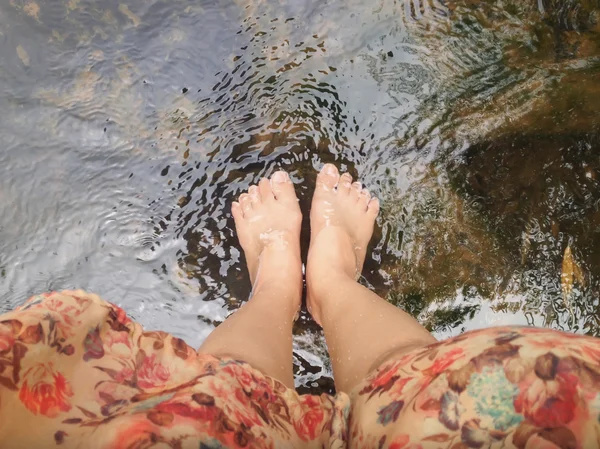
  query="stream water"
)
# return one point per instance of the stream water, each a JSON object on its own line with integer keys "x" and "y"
{"x": 128, "y": 128}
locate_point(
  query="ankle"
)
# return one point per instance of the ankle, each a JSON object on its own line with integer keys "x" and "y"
{"x": 326, "y": 294}
{"x": 278, "y": 297}
{"x": 331, "y": 264}
{"x": 319, "y": 285}
{"x": 279, "y": 268}
{"x": 331, "y": 253}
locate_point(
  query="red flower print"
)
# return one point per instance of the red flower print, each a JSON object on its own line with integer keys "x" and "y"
{"x": 111, "y": 393}
{"x": 384, "y": 376}
{"x": 131, "y": 434}
{"x": 152, "y": 373}
{"x": 199, "y": 413}
{"x": 247, "y": 416}
{"x": 308, "y": 417}
{"x": 385, "y": 380}
{"x": 446, "y": 360}
{"x": 399, "y": 385}
{"x": 399, "y": 442}
{"x": 51, "y": 304}
{"x": 548, "y": 404}
{"x": 124, "y": 376}
{"x": 262, "y": 391}
{"x": 7, "y": 338}
{"x": 242, "y": 397}
{"x": 242, "y": 375}
{"x": 122, "y": 317}
{"x": 549, "y": 341}
{"x": 65, "y": 306}
{"x": 117, "y": 344}
{"x": 92, "y": 344}
{"x": 45, "y": 391}
{"x": 222, "y": 390}
{"x": 62, "y": 314}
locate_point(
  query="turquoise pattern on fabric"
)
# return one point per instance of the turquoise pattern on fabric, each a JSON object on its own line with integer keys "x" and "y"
{"x": 494, "y": 396}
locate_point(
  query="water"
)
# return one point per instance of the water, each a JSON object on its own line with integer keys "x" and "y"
{"x": 128, "y": 128}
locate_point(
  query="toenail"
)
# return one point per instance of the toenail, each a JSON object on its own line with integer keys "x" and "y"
{"x": 330, "y": 169}
{"x": 280, "y": 176}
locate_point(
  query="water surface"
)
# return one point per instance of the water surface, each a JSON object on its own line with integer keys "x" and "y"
{"x": 128, "y": 129}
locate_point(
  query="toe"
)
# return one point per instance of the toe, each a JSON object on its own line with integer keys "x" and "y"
{"x": 345, "y": 183}
{"x": 328, "y": 178}
{"x": 373, "y": 207}
{"x": 364, "y": 198}
{"x": 355, "y": 190}
{"x": 266, "y": 192}
{"x": 282, "y": 186}
{"x": 236, "y": 211}
{"x": 246, "y": 203}
{"x": 254, "y": 194}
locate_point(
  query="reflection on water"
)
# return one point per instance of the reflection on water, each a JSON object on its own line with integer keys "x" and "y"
{"x": 128, "y": 128}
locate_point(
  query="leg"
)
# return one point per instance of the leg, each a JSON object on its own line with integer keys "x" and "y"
{"x": 267, "y": 222}
{"x": 361, "y": 329}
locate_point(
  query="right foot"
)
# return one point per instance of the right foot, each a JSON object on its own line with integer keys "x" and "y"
{"x": 267, "y": 221}
{"x": 341, "y": 219}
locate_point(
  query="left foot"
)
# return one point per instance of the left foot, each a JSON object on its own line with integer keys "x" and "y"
{"x": 267, "y": 221}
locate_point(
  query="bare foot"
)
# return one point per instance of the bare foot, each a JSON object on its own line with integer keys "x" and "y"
{"x": 267, "y": 221}
{"x": 342, "y": 218}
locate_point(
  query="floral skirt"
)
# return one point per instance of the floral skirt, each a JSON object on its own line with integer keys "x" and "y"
{"x": 75, "y": 372}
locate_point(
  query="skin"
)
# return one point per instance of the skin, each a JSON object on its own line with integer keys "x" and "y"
{"x": 362, "y": 330}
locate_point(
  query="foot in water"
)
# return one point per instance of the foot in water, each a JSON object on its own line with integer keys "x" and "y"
{"x": 341, "y": 219}
{"x": 267, "y": 221}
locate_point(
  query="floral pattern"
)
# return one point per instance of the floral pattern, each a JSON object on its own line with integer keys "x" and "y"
{"x": 78, "y": 371}
{"x": 495, "y": 388}
{"x": 45, "y": 391}
{"x": 81, "y": 374}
